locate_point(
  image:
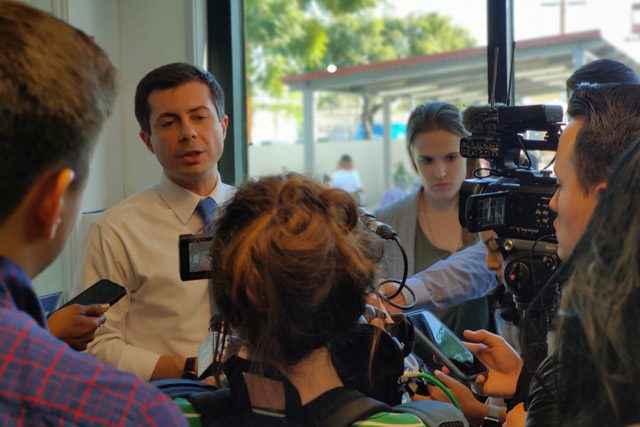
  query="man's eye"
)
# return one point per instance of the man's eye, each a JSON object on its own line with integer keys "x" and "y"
{"x": 452, "y": 157}
{"x": 426, "y": 160}
{"x": 166, "y": 124}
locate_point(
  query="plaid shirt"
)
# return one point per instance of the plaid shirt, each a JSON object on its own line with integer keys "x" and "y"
{"x": 44, "y": 382}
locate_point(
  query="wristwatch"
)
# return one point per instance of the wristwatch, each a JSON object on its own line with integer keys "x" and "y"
{"x": 189, "y": 370}
{"x": 492, "y": 419}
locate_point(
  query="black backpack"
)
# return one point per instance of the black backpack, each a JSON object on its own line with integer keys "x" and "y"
{"x": 338, "y": 407}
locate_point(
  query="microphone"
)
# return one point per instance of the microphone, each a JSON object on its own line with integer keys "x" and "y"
{"x": 474, "y": 118}
{"x": 371, "y": 222}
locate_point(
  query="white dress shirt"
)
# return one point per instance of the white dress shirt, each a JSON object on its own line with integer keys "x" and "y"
{"x": 135, "y": 244}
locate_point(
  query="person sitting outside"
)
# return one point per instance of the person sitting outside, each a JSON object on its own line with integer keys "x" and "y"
{"x": 347, "y": 178}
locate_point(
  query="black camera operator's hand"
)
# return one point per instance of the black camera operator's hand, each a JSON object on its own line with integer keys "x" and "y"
{"x": 76, "y": 324}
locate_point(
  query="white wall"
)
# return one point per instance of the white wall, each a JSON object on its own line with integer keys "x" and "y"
{"x": 138, "y": 35}
{"x": 367, "y": 158}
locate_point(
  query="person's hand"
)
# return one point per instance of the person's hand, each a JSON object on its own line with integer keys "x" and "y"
{"x": 169, "y": 366}
{"x": 494, "y": 259}
{"x": 503, "y": 363}
{"x": 516, "y": 417}
{"x": 76, "y": 324}
{"x": 472, "y": 409}
{"x": 389, "y": 288}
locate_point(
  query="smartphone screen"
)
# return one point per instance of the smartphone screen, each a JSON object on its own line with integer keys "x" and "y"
{"x": 446, "y": 346}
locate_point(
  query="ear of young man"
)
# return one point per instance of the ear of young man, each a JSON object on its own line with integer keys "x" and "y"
{"x": 53, "y": 194}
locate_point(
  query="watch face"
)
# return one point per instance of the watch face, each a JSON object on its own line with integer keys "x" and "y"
{"x": 490, "y": 422}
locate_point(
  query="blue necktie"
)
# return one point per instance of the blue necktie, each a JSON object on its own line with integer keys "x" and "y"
{"x": 206, "y": 210}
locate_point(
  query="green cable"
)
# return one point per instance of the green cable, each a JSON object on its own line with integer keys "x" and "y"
{"x": 442, "y": 387}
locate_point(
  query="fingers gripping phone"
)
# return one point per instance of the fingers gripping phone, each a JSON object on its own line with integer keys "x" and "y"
{"x": 102, "y": 292}
{"x": 446, "y": 346}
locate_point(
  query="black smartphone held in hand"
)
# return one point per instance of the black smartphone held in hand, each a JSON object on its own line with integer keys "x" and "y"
{"x": 446, "y": 346}
{"x": 102, "y": 292}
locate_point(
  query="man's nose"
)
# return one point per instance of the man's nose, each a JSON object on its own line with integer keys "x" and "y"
{"x": 187, "y": 132}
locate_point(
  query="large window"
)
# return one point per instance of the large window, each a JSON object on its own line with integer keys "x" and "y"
{"x": 555, "y": 37}
{"x": 329, "y": 78}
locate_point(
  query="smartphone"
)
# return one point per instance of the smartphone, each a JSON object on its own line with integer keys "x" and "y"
{"x": 102, "y": 292}
{"x": 446, "y": 346}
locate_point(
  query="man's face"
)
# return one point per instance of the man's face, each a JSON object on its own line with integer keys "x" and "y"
{"x": 186, "y": 135}
{"x": 572, "y": 205}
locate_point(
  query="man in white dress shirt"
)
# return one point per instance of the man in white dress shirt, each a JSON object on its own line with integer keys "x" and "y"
{"x": 162, "y": 320}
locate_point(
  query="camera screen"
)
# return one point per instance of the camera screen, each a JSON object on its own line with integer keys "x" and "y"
{"x": 195, "y": 256}
{"x": 199, "y": 256}
{"x": 491, "y": 211}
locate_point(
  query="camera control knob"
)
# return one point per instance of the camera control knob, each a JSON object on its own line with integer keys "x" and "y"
{"x": 508, "y": 245}
{"x": 551, "y": 262}
{"x": 517, "y": 275}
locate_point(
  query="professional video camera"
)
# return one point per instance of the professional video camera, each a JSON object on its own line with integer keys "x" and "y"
{"x": 514, "y": 199}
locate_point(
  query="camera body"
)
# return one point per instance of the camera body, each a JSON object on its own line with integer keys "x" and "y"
{"x": 514, "y": 200}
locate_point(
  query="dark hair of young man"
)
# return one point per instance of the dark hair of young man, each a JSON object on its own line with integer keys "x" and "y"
{"x": 601, "y": 71}
{"x": 170, "y": 76}
{"x": 611, "y": 114}
{"x": 49, "y": 115}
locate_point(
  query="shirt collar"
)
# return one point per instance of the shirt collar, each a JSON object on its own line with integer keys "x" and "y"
{"x": 16, "y": 291}
{"x": 182, "y": 201}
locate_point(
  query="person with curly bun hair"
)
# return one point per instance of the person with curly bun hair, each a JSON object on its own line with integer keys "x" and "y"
{"x": 292, "y": 272}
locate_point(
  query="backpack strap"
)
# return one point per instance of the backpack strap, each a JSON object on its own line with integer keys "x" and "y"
{"x": 213, "y": 405}
{"x": 342, "y": 407}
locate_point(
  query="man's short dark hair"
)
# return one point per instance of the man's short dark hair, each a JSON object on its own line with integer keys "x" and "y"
{"x": 170, "y": 76}
{"x": 601, "y": 71}
{"x": 611, "y": 114}
{"x": 56, "y": 89}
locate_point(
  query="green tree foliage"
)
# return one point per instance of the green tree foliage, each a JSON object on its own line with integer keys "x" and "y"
{"x": 287, "y": 37}
{"x": 357, "y": 39}
{"x": 283, "y": 38}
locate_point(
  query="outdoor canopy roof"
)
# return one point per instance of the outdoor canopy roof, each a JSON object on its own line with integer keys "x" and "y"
{"x": 542, "y": 66}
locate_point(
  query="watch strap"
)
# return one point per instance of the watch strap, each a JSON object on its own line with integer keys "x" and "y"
{"x": 189, "y": 370}
{"x": 493, "y": 416}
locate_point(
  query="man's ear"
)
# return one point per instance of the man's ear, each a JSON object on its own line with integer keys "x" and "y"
{"x": 146, "y": 138}
{"x": 224, "y": 123}
{"x": 51, "y": 203}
